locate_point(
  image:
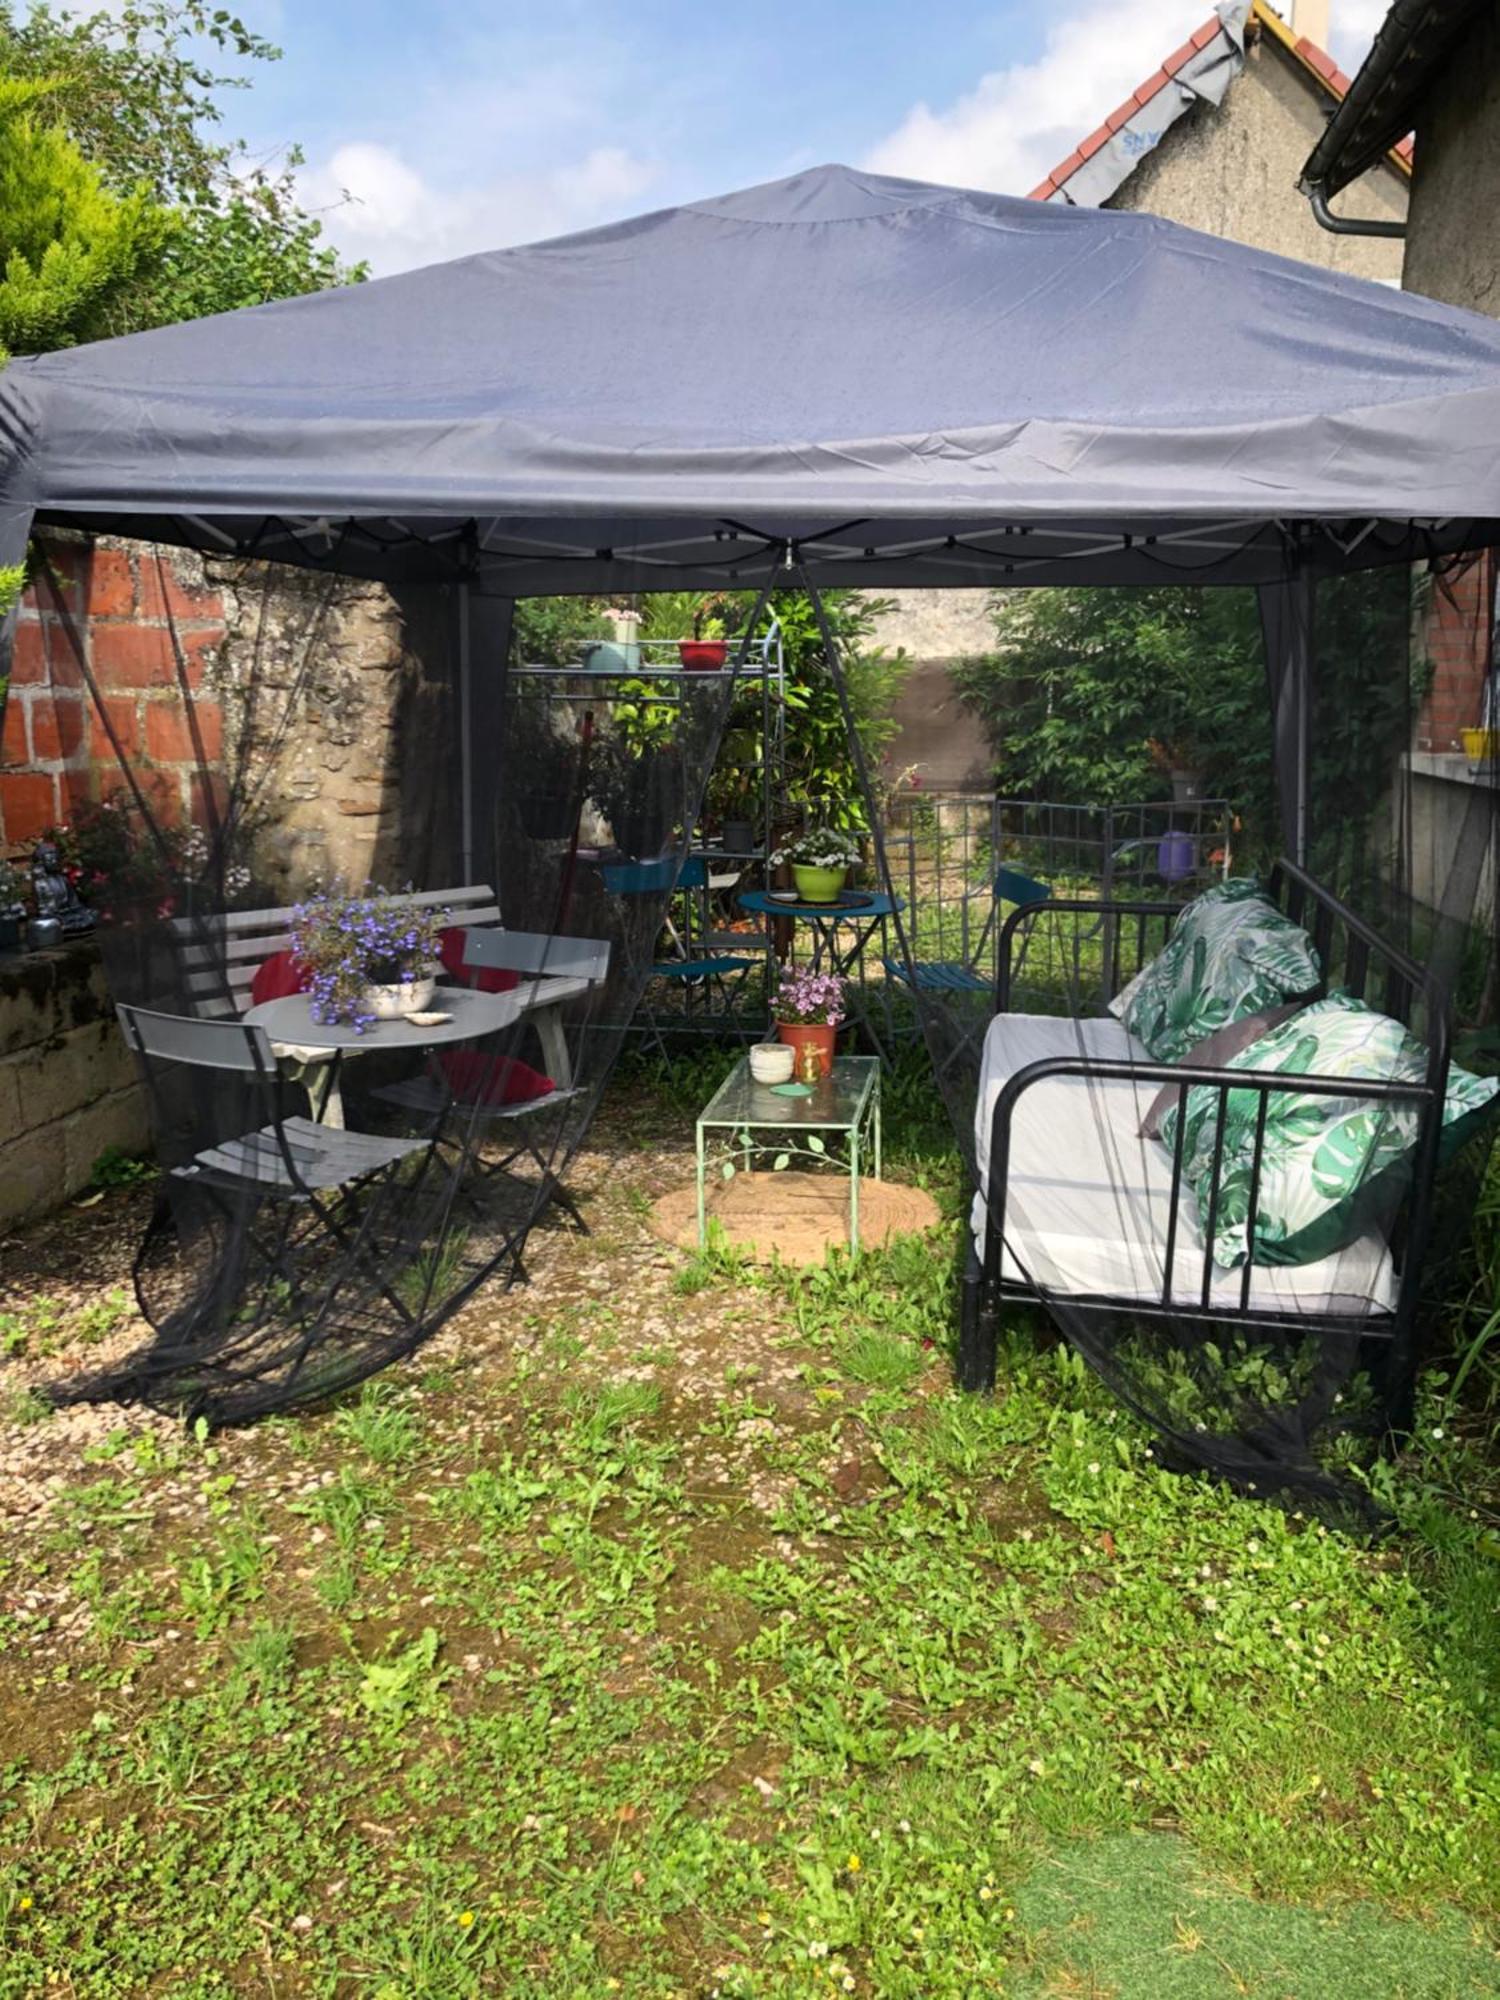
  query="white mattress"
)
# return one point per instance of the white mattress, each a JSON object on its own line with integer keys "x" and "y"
{"x": 1088, "y": 1199}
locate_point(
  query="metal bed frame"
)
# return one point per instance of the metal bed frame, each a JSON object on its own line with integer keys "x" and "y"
{"x": 1354, "y": 956}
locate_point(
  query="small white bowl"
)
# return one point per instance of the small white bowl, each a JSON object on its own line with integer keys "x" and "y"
{"x": 772, "y": 1062}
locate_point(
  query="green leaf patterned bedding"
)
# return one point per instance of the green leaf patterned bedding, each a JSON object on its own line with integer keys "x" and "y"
{"x": 1231, "y": 953}
{"x": 1331, "y": 1166}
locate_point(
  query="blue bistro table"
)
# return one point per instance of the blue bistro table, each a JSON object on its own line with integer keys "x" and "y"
{"x": 841, "y": 1109}
{"x": 840, "y": 933}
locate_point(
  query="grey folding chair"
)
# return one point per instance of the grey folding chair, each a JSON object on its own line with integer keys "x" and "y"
{"x": 558, "y": 972}
{"x": 292, "y": 1163}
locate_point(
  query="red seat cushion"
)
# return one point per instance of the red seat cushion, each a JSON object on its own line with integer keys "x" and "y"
{"x": 475, "y": 1078}
{"x": 451, "y": 955}
{"x": 282, "y": 973}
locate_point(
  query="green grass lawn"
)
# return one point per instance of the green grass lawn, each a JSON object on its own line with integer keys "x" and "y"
{"x": 665, "y": 1631}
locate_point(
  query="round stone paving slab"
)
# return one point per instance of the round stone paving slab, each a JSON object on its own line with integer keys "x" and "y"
{"x": 795, "y": 1216}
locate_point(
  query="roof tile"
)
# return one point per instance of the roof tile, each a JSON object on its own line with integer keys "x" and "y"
{"x": 1316, "y": 59}
{"x": 1153, "y": 86}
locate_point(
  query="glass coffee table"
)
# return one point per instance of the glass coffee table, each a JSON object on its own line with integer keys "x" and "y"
{"x": 836, "y": 1121}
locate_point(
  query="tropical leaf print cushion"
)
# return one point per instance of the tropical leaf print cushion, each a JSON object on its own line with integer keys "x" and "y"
{"x": 1331, "y": 1166}
{"x": 1231, "y": 953}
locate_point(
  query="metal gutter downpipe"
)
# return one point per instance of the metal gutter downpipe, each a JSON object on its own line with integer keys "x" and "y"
{"x": 1346, "y": 225}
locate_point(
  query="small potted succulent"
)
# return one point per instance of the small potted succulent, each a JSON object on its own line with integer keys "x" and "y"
{"x": 370, "y": 959}
{"x": 12, "y": 907}
{"x": 820, "y": 862}
{"x": 809, "y": 1008}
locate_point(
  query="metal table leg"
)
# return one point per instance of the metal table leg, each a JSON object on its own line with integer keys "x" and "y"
{"x": 854, "y": 1189}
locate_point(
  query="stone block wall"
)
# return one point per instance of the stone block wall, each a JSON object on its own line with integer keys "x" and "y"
{"x": 68, "y": 1088}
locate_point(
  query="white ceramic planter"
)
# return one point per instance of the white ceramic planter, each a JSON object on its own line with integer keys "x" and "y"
{"x": 408, "y": 996}
{"x": 772, "y": 1062}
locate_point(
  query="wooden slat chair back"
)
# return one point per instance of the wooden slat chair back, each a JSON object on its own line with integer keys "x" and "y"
{"x": 221, "y": 954}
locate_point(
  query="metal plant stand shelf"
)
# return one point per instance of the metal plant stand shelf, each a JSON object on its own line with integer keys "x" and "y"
{"x": 843, "y": 1108}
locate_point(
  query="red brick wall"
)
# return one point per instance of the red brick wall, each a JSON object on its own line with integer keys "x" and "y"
{"x": 56, "y": 750}
{"x": 1456, "y": 634}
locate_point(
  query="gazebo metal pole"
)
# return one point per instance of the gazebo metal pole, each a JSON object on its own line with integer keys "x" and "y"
{"x": 465, "y": 737}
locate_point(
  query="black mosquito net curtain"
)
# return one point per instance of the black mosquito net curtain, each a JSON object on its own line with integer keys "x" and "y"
{"x": 1220, "y": 1083}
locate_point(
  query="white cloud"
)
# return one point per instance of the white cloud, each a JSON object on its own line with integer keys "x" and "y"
{"x": 1352, "y": 25}
{"x": 1016, "y": 124}
{"x": 374, "y": 204}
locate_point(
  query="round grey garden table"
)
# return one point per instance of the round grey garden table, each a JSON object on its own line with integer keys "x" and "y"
{"x": 289, "y": 1021}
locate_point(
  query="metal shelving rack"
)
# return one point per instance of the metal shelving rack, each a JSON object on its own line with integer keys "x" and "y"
{"x": 657, "y": 663}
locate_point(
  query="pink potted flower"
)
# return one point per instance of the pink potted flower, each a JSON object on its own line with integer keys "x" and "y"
{"x": 809, "y": 1007}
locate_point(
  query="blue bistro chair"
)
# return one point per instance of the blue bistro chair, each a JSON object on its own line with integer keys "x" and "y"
{"x": 975, "y": 974}
{"x": 709, "y": 983}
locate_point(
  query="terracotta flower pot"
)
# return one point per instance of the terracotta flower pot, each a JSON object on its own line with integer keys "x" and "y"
{"x": 821, "y": 1034}
{"x": 818, "y": 885}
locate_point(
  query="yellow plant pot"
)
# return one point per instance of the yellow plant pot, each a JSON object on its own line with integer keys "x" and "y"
{"x": 1481, "y": 747}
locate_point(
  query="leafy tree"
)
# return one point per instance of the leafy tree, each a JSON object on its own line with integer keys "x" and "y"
{"x": 822, "y": 781}
{"x": 72, "y": 252}
{"x": 551, "y": 631}
{"x": 1091, "y": 695}
{"x": 145, "y": 108}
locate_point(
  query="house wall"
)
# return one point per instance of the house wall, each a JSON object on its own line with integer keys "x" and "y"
{"x": 1452, "y": 252}
{"x": 1233, "y": 172}
{"x": 331, "y": 679}
{"x": 329, "y": 671}
{"x": 936, "y": 732}
{"x": 1453, "y": 237}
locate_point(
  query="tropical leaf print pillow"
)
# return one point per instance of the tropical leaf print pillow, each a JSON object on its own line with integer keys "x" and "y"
{"x": 1330, "y": 1166}
{"x": 1231, "y": 953}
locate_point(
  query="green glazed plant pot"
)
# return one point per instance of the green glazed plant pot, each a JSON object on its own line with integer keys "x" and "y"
{"x": 818, "y": 885}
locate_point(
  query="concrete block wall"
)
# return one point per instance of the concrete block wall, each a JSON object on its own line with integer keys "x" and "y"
{"x": 68, "y": 1088}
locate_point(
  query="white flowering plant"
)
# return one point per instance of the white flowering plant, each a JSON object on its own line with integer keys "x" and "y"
{"x": 823, "y": 847}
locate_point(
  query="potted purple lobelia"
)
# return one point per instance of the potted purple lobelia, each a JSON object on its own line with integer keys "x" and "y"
{"x": 369, "y": 957}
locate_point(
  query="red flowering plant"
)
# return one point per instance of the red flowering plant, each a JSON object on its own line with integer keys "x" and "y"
{"x": 116, "y": 863}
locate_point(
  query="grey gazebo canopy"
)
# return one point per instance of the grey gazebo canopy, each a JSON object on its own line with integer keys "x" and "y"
{"x": 878, "y": 380}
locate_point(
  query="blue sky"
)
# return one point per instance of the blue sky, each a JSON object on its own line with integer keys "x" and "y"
{"x": 457, "y": 127}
